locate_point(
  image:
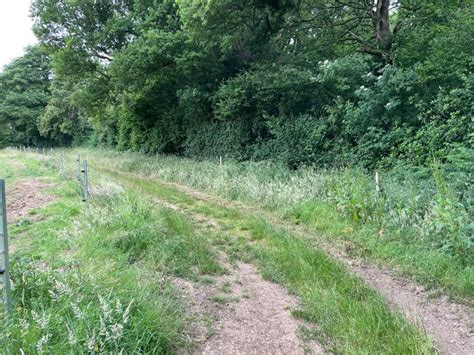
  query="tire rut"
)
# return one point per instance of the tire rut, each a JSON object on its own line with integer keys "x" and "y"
{"x": 252, "y": 316}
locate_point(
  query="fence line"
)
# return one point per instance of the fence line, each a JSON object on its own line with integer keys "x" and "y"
{"x": 83, "y": 180}
{"x": 51, "y": 161}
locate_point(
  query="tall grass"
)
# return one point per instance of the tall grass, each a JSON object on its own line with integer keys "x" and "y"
{"x": 97, "y": 279}
{"x": 421, "y": 220}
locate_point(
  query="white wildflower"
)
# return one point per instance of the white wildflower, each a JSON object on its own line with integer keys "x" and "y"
{"x": 42, "y": 342}
{"x": 72, "y": 340}
{"x": 41, "y": 320}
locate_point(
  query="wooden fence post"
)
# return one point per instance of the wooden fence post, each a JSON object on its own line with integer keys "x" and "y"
{"x": 377, "y": 182}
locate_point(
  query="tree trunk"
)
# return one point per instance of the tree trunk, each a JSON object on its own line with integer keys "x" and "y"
{"x": 381, "y": 20}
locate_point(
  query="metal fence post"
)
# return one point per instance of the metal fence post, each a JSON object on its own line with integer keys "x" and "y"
{"x": 86, "y": 182}
{"x": 4, "y": 262}
{"x": 78, "y": 164}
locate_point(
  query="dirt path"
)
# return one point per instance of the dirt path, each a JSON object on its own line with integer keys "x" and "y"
{"x": 449, "y": 325}
{"x": 25, "y": 195}
{"x": 251, "y": 315}
{"x": 259, "y": 322}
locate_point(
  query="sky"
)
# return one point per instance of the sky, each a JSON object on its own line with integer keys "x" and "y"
{"x": 15, "y": 29}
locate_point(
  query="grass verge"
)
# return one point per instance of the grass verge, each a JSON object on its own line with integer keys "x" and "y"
{"x": 96, "y": 279}
{"x": 419, "y": 225}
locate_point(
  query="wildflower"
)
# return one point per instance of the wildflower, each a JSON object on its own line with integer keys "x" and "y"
{"x": 41, "y": 320}
{"x": 71, "y": 336}
{"x": 42, "y": 342}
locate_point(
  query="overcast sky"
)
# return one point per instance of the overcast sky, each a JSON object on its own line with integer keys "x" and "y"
{"x": 15, "y": 29}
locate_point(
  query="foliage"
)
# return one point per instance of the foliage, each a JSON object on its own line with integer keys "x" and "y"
{"x": 24, "y": 93}
{"x": 324, "y": 83}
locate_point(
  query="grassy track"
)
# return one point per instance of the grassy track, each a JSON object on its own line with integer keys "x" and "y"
{"x": 399, "y": 230}
{"x": 351, "y": 317}
{"x": 101, "y": 274}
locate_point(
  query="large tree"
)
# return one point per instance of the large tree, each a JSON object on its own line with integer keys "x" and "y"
{"x": 24, "y": 93}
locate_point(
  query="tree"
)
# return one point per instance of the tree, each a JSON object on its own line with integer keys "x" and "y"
{"x": 24, "y": 92}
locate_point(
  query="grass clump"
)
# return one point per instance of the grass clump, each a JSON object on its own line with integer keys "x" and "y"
{"x": 74, "y": 313}
{"x": 351, "y": 318}
{"x": 142, "y": 231}
{"x": 96, "y": 279}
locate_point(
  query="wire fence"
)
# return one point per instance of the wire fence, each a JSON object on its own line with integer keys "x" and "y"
{"x": 57, "y": 161}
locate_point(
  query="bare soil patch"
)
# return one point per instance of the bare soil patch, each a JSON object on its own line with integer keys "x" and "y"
{"x": 450, "y": 325}
{"x": 24, "y": 196}
{"x": 252, "y": 316}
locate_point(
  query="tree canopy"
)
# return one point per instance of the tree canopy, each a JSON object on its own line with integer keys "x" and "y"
{"x": 298, "y": 81}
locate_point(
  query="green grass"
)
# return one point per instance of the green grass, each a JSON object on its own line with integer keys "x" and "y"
{"x": 351, "y": 318}
{"x": 419, "y": 224}
{"x": 97, "y": 278}
{"x": 427, "y": 266}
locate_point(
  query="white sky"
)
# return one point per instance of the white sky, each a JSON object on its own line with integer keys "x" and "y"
{"x": 15, "y": 29}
